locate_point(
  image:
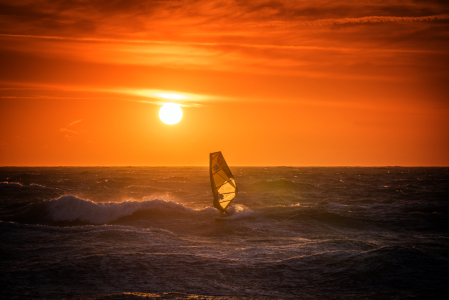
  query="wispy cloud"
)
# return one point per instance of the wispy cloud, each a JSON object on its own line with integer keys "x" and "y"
{"x": 75, "y": 122}
{"x": 230, "y": 44}
{"x": 69, "y": 133}
{"x": 150, "y": 96}
{"x": 343, "y": 21}
{"x": 381, "y": 19}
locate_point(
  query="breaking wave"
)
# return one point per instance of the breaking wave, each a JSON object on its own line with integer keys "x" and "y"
{"x": 73, "y": 211}
{"x": 71, "y": 208}
{"x": 239, "y": 211}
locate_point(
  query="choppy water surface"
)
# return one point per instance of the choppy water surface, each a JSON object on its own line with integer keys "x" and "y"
{"x": 136, "y": 232}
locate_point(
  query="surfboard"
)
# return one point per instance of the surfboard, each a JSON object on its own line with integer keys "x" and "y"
{"x": 222, "y": 182}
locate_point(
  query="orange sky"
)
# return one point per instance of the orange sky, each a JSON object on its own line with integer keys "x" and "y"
{"x": 291, "y": 83}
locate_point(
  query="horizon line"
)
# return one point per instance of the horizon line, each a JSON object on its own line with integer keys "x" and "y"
{"x": 237, "y": 166}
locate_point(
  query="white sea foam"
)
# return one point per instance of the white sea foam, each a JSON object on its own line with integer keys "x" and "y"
{"x": 239, "y": 211}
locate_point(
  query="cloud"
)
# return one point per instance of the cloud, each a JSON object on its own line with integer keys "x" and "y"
{"x": 344, "y": 39}
{"x": 179, "y": 20}
{"x": 75, "y": 122}
{"x": 141, "y": 95}
{"x": 353, "y": 21}
{"x": 69, "y": 134}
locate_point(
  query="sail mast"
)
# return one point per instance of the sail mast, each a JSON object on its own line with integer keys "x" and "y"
{"x": 214, "y": 190}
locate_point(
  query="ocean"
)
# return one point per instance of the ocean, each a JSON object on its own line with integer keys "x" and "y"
{"x": 293, "y": 233}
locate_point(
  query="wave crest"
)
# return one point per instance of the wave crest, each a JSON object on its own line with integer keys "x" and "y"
{"x": 239, "y": 211}
{"x": 71, "y": 208}
{"x": 7, "y": 184}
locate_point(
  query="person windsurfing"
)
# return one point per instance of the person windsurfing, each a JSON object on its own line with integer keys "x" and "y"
{"x": 222, "y": 183}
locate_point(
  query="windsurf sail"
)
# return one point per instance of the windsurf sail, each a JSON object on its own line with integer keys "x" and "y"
{"x": 222, "y": 182}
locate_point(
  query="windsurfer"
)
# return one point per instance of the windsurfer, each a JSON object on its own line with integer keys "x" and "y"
{"x": 222, "y": 183}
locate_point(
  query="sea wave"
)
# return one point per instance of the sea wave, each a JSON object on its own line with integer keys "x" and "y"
{"x": 239, "y": 211}
{"x": 71, "y": 208}
{"x": 281, "y": 184}
{"x": 276, "y": 184}
{"x": 176, "y": 178}
{"x": 7, "y": 225}
{"x": 7, "y": 184}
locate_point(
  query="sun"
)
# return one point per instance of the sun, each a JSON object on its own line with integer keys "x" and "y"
{"x": 170, "y": 113}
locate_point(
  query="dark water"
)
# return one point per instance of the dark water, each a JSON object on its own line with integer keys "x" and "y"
{"x": 307, "y": 233}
